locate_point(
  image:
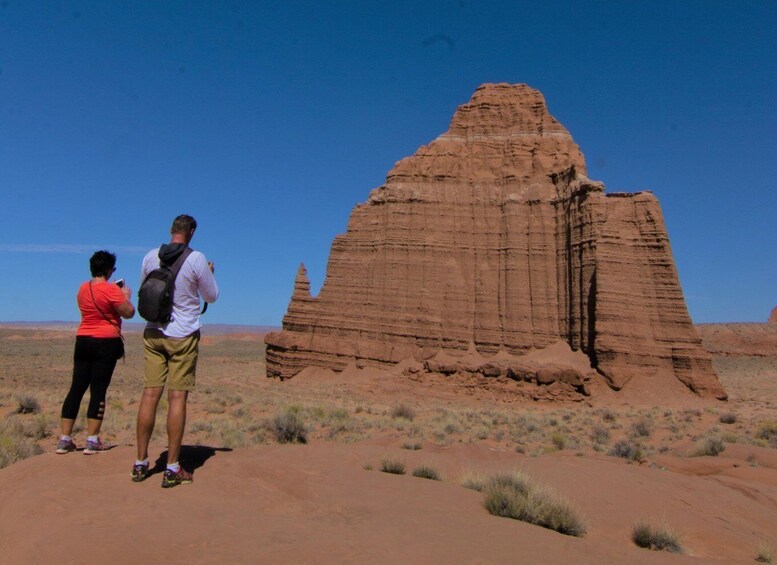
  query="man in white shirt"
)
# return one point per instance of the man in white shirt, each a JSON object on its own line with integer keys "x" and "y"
{"x": 171, "y": 349}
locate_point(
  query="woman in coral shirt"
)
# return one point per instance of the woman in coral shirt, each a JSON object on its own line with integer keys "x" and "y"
{"x": 98, "y": 346}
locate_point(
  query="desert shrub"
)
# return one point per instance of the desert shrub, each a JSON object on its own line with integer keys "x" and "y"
{"x": 642, "y": 427}
{"x": 28, "y": 404}
{"x": 515, "y": 496}
{"x": 728, "y": 418}
{"x": 608, "y": 415}
{"x": 38, "y": 428}
{"x": 367, "y": 466}
{"x": 392, "y": 466}
{"x": 426, "y": 472}
{"x": 713, "y": 446}
{"x": 558, "y": 440}
{"x": 403, "y": 411}
{"x": 412, "y": 446}
{"x": 288, "y": 427}
{"x": 627, "y": 450}
{"x": 660, "y": 538}
{"x": 689, "y": 414}
{"x": 600, "y": 434}
{"x": 451, "y": 428}
{"x": 15, "y": 444}
{"x": 767, "y": 430}
{"x": 765, "y": 553}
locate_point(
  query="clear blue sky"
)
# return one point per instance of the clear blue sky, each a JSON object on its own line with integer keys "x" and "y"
{"x": 269, "y": 121}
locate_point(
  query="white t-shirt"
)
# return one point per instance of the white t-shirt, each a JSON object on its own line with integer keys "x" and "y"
{"x": 194, "y": 279}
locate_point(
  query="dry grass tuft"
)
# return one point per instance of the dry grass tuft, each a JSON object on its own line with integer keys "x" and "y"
{"x": 288, "y": 427}
{"x": 765, "y": 553}
{"x": 627, "y": 450}
{"x": 712, "y": 446}
{"x": 516, "y": 496}
{"x": 660, "y": 538}
{"x": 473, "y": 480}
{"x": 392, "y": 466}
{"x": 403, "y": 411}
{"x": 28, "y": 404}
{"x": 15, "y": 443}
{"x": 427, "y": 472}
{"x": 728, "y": 418}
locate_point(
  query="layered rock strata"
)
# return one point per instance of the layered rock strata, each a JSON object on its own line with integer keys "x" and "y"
{"x": 492, "y": 239}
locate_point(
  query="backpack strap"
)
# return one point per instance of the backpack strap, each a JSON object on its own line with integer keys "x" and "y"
{"x": 176, "y": 266}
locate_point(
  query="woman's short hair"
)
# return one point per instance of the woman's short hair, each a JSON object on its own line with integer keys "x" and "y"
{"x": 102, "y": 263}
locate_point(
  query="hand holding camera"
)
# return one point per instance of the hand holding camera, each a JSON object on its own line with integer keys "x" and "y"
{"x": 125, "y": 290}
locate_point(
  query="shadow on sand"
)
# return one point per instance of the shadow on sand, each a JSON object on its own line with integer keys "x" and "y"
{"x": 192, "y": 458}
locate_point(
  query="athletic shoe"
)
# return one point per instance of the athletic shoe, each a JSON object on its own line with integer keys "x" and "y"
{"x": 93, "y": 447}
{"x": 65, "y": 446}
{"x": 170, "y": 479}
{"x": 139, "y": 473}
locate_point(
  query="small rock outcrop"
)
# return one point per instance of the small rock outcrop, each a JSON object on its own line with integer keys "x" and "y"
{"x": 773, "y": 316}
{"x": 491, "y": 238}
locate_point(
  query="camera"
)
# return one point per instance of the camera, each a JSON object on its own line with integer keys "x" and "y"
{"x": 120, "y": 283}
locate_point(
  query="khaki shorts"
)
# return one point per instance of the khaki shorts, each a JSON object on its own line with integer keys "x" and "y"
{"x": 170, "y": 360}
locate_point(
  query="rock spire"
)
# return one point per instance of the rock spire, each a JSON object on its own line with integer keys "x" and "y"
{"x": 492, "y": 239}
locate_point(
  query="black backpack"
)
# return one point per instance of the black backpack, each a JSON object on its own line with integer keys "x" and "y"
{"x": 155, "y": 296}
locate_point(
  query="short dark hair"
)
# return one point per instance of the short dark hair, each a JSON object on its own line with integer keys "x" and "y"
{"x": 101, "y": 264}
{"x": 183, "y": 224}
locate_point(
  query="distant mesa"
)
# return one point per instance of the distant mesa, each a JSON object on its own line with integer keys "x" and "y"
{"x": 488, "y": 250}
{"x": 773, "y": 316}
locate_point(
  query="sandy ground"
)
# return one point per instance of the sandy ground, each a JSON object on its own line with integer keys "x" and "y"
{"x": 327, "y": 501}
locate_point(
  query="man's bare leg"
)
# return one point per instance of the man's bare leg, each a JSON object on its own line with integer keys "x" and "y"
{"x": 176, "y": 422}
{"x": 147, "y": 418}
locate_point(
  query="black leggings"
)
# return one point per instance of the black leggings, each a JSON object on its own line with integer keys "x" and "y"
{"x": 94, "y": 359}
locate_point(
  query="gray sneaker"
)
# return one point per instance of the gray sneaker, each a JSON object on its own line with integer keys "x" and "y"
{"x": 93, "y": 447}
{"x": 139, "y": 473}
{"x": 65, "y": 446}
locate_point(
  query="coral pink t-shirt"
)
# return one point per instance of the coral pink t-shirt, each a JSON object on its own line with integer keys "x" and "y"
{"x": 107, "y": 296}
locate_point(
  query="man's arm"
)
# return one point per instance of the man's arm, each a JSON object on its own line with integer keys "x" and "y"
{"x": 206, "y": 282}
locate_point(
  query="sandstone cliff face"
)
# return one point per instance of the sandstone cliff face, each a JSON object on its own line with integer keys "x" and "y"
{"x": 491, "y": 239}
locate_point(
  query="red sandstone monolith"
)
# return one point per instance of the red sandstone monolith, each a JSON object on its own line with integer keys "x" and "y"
{"x": 492, "y": 240}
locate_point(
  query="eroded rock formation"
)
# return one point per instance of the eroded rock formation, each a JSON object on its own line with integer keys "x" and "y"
{"x": 492, "y": 239}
